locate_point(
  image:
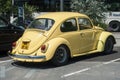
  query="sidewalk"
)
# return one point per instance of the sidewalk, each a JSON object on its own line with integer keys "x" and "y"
{"x": 117, "y": 37}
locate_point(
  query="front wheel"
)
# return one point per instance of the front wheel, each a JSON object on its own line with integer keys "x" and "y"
{"x": 108, "y": 45}
{"x": 61, "y": 56}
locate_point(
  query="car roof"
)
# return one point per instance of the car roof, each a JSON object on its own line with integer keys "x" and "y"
{"x": 61, "y": 15}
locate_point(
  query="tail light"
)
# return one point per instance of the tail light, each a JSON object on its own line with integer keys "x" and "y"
{"x": 13, "y": 44}
{"x": 44, "y": 48}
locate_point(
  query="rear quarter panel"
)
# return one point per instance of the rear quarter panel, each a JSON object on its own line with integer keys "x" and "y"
{"x": 53, "y": 45}
{"x": 102, "y": 39}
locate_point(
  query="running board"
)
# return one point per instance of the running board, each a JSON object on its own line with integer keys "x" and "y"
{"x": 86, "y": 53}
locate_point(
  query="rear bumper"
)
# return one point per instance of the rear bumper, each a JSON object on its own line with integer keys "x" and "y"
{"x": 26, "y": 56}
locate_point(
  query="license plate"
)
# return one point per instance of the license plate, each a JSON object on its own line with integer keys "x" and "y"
{"x": 25, "y": 45}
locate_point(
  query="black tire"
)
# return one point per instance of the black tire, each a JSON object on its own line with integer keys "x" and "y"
{"x": 61, "y": 56}
{"x": 108, "y": 45}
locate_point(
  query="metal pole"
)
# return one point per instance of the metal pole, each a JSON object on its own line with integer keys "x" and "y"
{"x": 21, "y": 14}
{"x": 12, "y": 16}
{"x": 61, "y": 5}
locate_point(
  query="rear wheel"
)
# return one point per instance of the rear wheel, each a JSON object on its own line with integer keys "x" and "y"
{"x": 61, "y": 56}
{"x": 108, "y": 45}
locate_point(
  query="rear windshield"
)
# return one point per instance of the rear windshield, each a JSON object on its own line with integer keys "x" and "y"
{"x": 42, "y": 23}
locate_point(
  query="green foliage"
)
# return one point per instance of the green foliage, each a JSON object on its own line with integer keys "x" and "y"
{"x": 28, "y": 9}
{"x": 102, "y": 25}
{"x": 6, "y": 9}
{"x": 5, "y": 5}
{"x": 114, "y": 7}
{"x": 93, "y": 8}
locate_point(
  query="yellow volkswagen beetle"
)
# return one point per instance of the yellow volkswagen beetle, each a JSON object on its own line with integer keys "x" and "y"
{"x": 58, "y": 36}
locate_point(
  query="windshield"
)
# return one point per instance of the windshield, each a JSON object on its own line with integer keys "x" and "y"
{"x": 42, "y": 23}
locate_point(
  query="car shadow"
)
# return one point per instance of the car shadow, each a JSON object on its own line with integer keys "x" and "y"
{"x": 33, "y": 65}
{"x": 3, "y": 54}
{"x": 48, "y": 65}
{"x": 92, "y": 57}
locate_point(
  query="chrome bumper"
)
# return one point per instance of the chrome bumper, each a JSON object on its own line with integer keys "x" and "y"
{"x": 26, "y": 57}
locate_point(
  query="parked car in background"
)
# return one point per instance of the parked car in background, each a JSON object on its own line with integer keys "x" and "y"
{"x": 113, "y": 21}
{"x": 8, "y": 34}
{"x": 58, "y": 36}
{"x": 27, "y": 21}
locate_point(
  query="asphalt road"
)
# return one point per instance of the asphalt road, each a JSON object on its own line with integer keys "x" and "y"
{"x": 90, "y": 67}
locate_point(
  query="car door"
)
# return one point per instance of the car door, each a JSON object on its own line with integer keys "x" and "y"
{"x": 70, "y": 32}
{"x": 87, "y": 35}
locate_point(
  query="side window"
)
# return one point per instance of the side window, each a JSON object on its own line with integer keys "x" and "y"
{"x": 84, "y": 23}
{"x": 2, "y": 23}
{"x": 69, "y": 25}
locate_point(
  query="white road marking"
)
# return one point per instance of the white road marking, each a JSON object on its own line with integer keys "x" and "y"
{"x": 2, "y": 71}
{"x": 112, "y": 61}
{"x": 80, "y": 71}
{"x": 10, "y": 68}
{"x": 30, "y": 73}
{"x": 89, "y": 68}
{"x": 5, "y": 61}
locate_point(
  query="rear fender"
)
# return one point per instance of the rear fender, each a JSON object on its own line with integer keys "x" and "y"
{"x": 102, "y": 39}
{"x": 53, "y": 45}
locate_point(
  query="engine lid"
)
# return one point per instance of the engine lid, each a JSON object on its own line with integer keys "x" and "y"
{"x": 31, "y": 41}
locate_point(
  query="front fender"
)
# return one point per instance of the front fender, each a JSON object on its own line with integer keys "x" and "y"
{"x": 102, "y": 39}
{"x": 53, "y": 45}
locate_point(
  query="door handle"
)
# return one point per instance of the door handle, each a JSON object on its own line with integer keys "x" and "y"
{"x": 82, "y": 34}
